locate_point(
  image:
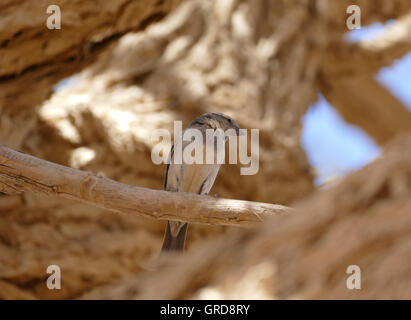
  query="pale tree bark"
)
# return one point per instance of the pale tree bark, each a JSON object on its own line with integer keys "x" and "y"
{"x": 23, "y": 173}
{"x": 33, "y": 58}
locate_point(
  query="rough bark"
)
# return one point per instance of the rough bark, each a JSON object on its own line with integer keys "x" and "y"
{"x": 33, "y": 58}
{"x": 23, "y": 173}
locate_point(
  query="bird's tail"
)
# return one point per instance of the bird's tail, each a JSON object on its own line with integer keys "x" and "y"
{"x": 171, "y": 243}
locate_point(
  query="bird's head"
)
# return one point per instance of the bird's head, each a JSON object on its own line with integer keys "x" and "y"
{"x": 217, "y": 120}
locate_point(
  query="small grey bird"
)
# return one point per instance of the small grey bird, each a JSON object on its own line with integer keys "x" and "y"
{"x": 193, "y": 178}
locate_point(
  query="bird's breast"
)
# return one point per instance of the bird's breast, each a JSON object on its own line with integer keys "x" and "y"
{"x": 197, "y": 177}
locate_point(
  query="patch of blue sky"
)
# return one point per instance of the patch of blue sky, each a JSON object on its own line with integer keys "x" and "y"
{"x": 335, "y": 147}
{"x": 66, "y": 82}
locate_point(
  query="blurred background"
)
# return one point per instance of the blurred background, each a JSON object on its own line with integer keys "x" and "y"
{"x": 327, "y": 101}
{"x": 335, "y": 147}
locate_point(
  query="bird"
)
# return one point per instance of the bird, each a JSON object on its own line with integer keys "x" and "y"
{"x": 193, "y": 178}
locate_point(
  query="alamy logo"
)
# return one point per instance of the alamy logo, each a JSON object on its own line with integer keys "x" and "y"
{"x": 208, "y": 149}
{"x": 354, "y": 280}
{"x": 54, "y": 280}
{"x": 354, "y": 20}
{"x": 54, "y": 20}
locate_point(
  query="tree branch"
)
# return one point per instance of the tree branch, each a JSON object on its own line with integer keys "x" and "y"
{"x": 364, "y": 102}
{"x": 20, "y": 172}
{"x": 23, "y": 29}
{"x": 344, "y": 59}
{"x": 348, "y": 82}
